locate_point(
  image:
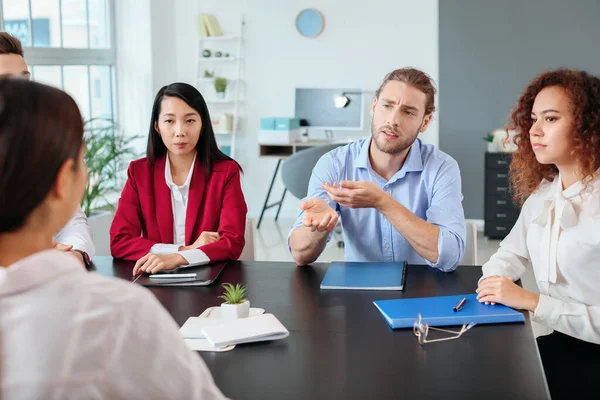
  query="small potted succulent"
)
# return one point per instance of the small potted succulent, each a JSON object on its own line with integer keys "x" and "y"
{"x": 220, "y": 87}
{"x": 236, "y": 305}
{"x": 491, "y": 146}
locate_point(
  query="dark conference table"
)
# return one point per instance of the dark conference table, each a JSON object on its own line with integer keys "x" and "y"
{"x": 340, "y": 346}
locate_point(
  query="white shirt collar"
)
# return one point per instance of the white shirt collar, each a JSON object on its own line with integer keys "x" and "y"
{"x": 169, "y": 175}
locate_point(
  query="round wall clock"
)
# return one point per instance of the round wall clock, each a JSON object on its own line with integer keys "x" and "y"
{"x": 310, "y": 23}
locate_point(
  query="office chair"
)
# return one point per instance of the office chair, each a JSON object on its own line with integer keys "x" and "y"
{"x": 470, "y": 256}
{"x": 296, "y": 172}
{"x": 249, "y": 252}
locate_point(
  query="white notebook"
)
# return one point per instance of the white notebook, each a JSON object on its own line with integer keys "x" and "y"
{"x": 192, "y": 329}
{"x": 245, "y": 330}
{"x": 204, "y": 345}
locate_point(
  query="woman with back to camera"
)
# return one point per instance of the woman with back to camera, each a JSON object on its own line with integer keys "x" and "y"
{"x": 65, "y": 332}
{"x": 555, "y": 172}
{"x": 182, "y": 204}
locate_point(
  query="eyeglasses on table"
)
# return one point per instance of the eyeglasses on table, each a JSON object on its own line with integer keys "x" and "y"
{"x": 421, "y": 331}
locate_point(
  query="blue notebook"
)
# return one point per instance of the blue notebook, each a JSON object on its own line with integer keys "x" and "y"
{"x": 365, "y": 276}
{"x": 439, "y": 311}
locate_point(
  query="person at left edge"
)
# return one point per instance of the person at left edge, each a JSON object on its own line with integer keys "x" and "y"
{"x": 182, "y": 204}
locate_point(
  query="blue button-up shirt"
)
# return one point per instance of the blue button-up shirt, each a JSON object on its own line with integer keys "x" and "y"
{"x": 428, "y": 184}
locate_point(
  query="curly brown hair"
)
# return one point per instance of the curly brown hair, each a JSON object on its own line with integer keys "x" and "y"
{"x": 583, "y": 89}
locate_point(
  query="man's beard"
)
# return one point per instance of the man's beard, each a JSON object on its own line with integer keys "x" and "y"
{"x": 397, "y": 146}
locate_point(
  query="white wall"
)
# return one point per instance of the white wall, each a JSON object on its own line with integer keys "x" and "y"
{"x": 163, "y": 38}
{"x": 360, "y": 44}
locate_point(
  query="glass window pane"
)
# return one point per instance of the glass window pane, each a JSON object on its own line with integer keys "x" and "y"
{"x": 16, "y": 20}
{"x": 100, "y": 77}
{"x": 76, "y": 84}
{"x": 115, "y": 105}
{"x": 47, "y": 74}
{"x": 74, "y": 24}
{"x": 46, "y": 23}
{"x": 99, "y": 24}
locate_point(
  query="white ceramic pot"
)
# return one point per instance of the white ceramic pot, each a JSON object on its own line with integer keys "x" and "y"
{"x": 492, "y": 147}
{"x": 220, "y": 95}
{"x": 233, "y": 311}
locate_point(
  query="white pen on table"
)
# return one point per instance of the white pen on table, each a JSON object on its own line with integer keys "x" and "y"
{"x": 172, "y": 276}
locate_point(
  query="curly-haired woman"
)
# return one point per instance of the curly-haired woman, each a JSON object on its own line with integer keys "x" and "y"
{"x": 555, "y": 175}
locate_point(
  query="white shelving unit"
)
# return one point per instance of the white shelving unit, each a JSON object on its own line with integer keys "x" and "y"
{"x": 229, "y": 67}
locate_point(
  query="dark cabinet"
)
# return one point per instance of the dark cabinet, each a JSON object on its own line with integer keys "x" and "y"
{"x": 500, "y": 211}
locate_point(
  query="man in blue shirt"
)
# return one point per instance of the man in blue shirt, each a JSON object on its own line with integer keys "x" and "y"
{"x": 398, "y": 198}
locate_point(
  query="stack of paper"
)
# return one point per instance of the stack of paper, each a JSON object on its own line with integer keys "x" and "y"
{"x": 223, "y": 332}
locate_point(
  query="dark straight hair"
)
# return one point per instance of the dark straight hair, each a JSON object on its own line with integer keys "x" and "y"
{"x": 206, "y": 148}
{"x": 40, "y": 129}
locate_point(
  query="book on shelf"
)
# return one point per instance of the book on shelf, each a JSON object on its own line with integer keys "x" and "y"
{"x": 202, "y": 26}
{"x": 209, "y": 26}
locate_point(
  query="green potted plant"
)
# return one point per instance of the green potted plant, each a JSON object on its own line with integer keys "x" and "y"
{"x": 107, "y": 155}
{"x": 489, "y": 138}
{"x": 220, "y": 86}
{"x": 236, "y": 305}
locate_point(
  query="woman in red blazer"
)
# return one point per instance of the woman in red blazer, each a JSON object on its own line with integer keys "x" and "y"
{"x": 183, "y": 204}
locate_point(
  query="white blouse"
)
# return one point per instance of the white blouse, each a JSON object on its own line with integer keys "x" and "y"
{"x": 558, "y": 232}
{"x": 66, "y": 333}
{"x": 179, "y": 202}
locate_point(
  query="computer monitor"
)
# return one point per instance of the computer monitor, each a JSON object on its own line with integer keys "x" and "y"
{"x": 317, "y": 108}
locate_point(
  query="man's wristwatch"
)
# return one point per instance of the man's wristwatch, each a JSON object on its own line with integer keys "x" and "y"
{"x": 86, "y": 258}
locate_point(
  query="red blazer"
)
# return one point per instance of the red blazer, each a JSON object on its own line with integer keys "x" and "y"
{"x": 144, "y": 216}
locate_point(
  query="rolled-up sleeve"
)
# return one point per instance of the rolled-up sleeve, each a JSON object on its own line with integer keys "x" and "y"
{"x": 446, "y": 212}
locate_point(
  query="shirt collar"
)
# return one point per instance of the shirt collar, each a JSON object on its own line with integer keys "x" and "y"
{"x": 555, "y": 190}
{"x": 556, "y": 195}
{"x": 37, "y": 269}
{"x": 362, "y": 160}
{"x": 579, "y": 187}
{"x": 169, "y": 175}
{"x": 413, "y": 162}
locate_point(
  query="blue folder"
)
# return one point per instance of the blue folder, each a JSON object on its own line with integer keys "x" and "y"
{"x": 439, "y": 311}
{"x": 365, "y": 276}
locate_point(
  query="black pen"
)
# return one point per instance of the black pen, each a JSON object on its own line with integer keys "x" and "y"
{"x": 460, "y": 304}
